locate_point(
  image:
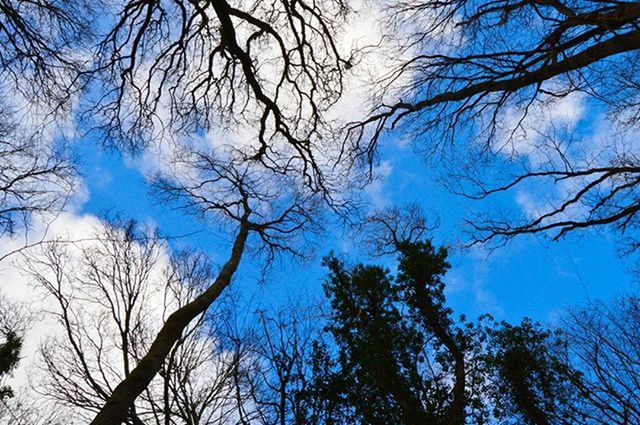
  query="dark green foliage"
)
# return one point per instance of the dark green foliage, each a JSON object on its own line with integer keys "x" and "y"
{"x": 379, "y": 349}
{"x": 383, "y": 342}
{"x": 531, "y": 374}
{"x": 9, "y": 358}
{"x": 397, "y": 356}
{"x": 325, "y": 397}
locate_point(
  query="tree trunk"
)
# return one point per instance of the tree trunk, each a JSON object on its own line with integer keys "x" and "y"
{"x": 433, "y": 319}
{"x": 117, "y": 406}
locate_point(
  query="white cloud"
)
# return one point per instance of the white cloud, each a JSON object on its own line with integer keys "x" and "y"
{"x": 536, "y": 131}
{"x": 376, "y": 190}
{"x": 17, "y": 287}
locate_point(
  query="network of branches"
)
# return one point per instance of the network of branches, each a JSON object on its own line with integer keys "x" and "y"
{"x": 479, "y": 70}
{"x": 182, "y": 67}
{"x": 234, "y": 103}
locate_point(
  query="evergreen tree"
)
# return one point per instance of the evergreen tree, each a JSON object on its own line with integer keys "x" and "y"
{"x": 13, "y": 320}
{"x": 398, "y": 356}
{"x": 531, "y": 374}
{"x": 9, "y": 358}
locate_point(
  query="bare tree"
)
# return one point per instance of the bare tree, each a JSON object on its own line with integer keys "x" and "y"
{"x": 196, "y": 381}
{"x": 274, "y": 346}
{"x": 181, "y": 67}
{"x": 42, "y": 55}
{"x": 478, "y": 71}
{"x": 198, "y": 62}
{"x": 23, "y": 409}
{"x": 35, "y": 179}
{"x": 43, "y": 44}
{"x": 110, "y": 297}
{"x": 281, "y": 346}
{"x": 258, "y": 205}
{"x": 603, "y": 344}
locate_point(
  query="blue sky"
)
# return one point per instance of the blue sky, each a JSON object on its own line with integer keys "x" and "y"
{"x": 530, "y": 276}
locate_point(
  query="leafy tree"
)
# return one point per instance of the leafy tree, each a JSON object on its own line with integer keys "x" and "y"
{"x": 9, "y": 358}
{"x": 382, "y": 387}
{"x": 397, "y": 355}
{"x": 531, "y": 374}
{"x": 13, "y": 321}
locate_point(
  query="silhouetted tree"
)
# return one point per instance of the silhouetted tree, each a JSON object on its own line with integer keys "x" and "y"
{"x": 470, "y": 70}
{"x": 603, "y": 345}
{"x": 283, "y": 346}
{"x": 43, "y": 47}
{"x": 259, "y": 206}
{"x": 181, "y": 68}
{"x": 35, "y": 178}
{"x": 173, "y": 68}
{"x": 43, "y": 52}
{"x": 9, "y": 358}
{"x": 398, "y": 356}
{"x": 23, "y": 409}
{"x": 13, "y": 322}
{"x": 383, "y": 387}
{"x": 531, "y": 374}
{"x": 110, "y": 296}
{"x": 276, "y": 365}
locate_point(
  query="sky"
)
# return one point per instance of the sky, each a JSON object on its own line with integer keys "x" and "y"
{"x": 530, "y": 276}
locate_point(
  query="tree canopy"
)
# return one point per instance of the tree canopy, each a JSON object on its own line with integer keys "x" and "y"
{"x": 397, "y": 354}
{"x": 266, "y": 122}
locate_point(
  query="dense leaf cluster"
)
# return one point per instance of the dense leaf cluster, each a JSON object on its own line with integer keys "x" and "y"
{"x": 397, "y": 354}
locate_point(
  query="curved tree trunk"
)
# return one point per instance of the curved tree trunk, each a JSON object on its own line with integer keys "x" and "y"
{"x": 443, "y": 334}
{"x": 117, "y": 407}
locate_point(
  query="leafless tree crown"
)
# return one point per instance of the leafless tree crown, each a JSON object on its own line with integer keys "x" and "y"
{"x": 475, "y": 72}
{"x": 183, "y": 67}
